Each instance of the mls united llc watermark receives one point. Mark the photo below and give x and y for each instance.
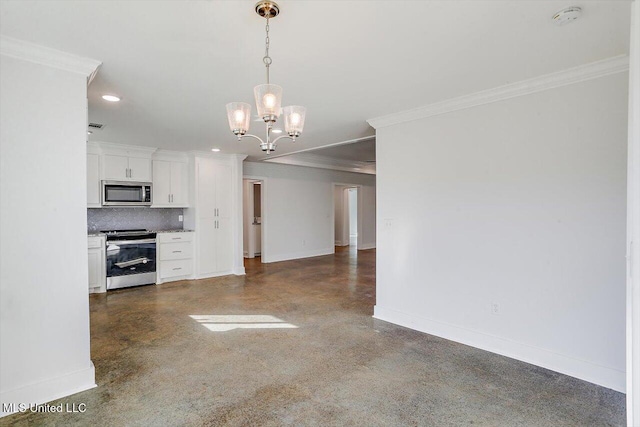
(9, 408)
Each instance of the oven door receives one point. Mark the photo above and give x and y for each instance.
(118, 193)
(131, 263)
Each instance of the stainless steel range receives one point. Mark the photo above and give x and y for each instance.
(131, 258)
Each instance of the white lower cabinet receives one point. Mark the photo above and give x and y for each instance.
(175, 256)
(97, 266)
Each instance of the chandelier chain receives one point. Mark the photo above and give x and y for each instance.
(267, 59)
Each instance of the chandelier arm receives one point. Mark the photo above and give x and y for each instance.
(283, 136)
(252, 136)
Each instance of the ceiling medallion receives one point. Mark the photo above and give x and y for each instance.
(268, 99)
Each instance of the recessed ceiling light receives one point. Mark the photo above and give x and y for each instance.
(110, 98)
(89, 132)
(215, 150)
(277, 131)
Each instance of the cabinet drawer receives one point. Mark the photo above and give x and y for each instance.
(177, 250)
(95, 242)
(174, 237)
(181, 267)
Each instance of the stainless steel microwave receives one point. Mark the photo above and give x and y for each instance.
(126, 193)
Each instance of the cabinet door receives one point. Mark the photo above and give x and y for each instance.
(115, 167)
(206, 196)
(95, 268)
(179, 184)
(224, 245)
(206, 250)
(93, 181)
(139, 169)
(223, 189)
(161, 191)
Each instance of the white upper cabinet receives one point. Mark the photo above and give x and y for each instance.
(179, 187)
(93, 180)
(139, 169)
(170, 184)
(126, 168)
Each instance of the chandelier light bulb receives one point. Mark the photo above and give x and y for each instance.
(269, 100)
(295, 119)
(239, 114)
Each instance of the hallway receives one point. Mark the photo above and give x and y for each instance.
(294, 343)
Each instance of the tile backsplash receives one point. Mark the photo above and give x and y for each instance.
(130, 218)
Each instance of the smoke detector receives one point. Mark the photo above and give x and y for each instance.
(567, 15)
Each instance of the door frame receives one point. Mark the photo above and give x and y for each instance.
(333, 210)
(264, 212)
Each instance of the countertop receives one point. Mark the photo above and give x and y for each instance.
(98, 234)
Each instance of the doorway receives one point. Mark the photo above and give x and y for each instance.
(252, 217)
(352, 209)
(346, 216)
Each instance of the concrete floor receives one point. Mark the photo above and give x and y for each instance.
(157, 366)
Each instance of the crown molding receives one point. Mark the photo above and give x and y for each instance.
(216, 155)
(594, 70)
(125, 149)
(38, 54)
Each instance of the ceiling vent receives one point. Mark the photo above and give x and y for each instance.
(567, 15)
(96, 125)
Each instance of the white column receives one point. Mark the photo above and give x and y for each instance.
(633, 226)
(238, 256)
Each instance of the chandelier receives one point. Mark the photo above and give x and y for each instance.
(268, 99)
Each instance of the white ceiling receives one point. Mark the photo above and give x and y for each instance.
(177, 63)
(354, 156)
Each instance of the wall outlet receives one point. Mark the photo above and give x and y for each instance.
(180, 218)
(495, 308)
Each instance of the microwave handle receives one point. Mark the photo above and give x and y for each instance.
(144, 193)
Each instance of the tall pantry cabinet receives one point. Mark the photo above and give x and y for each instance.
(212, 213)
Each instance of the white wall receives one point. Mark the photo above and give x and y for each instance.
(297, 214)
(44, 315)
(517, 205)
(633, 225)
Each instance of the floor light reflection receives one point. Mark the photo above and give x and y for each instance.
(229, 322)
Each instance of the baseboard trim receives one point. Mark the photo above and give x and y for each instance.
(239, 271)
(51, 389)
(568, 365)
(210, 275)
(366, 246)
(299, 255)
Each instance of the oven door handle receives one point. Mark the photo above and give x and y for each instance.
(129, 242)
